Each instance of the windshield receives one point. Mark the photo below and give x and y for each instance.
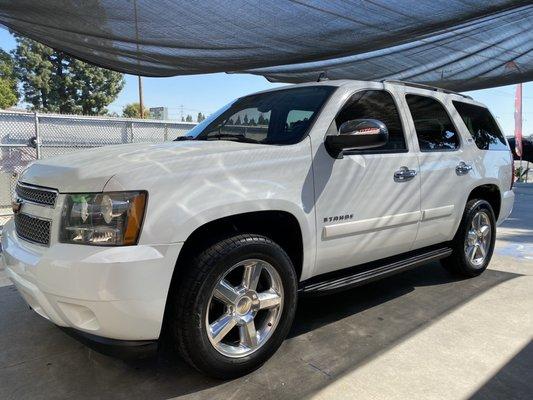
(279, 117)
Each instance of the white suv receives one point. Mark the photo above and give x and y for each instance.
(207, 241)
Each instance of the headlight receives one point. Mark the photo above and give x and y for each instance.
(105, 219)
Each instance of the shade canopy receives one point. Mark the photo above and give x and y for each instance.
(457, 44)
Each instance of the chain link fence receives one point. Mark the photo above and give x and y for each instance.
(25, 137)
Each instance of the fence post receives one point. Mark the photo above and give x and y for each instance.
(165, 136)
(131, 132)
(37, 137)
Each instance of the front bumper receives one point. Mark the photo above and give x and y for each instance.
(112, 292)
(123, 349)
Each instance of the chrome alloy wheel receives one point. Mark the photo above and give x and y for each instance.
(478, 239)
(245, 308)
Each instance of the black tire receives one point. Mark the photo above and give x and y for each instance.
(188, 304)
(457, 263)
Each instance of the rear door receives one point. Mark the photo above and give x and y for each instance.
(445, 166)
(363, 213)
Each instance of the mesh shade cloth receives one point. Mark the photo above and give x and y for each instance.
(458, 44)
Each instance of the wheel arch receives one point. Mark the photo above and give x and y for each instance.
(280, 226)
(490, 193)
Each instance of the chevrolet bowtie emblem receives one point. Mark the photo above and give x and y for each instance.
(16, 206)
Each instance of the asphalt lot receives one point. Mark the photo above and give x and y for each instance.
(421, 334)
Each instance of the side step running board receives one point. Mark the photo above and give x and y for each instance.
(372, 272)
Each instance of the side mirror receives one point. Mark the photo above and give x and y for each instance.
(357, 134)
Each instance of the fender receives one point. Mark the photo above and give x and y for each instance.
(305, 221)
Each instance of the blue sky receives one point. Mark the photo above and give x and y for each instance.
(207, 93)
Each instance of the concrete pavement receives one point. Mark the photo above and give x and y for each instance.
(421, 334)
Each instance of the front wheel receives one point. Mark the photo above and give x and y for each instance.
(234, 306)
(473, 244)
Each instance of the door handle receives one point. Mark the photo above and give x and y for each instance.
(463, 168)
(404, 174)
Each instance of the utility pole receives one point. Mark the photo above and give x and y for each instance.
(141, 105)
(518, 125)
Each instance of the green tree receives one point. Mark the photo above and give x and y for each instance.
(56, 82)
(200, 117)
(188, 119)
(8, 81)
(133, 110)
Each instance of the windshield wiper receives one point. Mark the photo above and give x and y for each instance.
(238, 137)
(182, 138)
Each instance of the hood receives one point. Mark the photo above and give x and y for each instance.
(89, 170)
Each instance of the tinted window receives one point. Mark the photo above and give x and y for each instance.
(482, 126)
(279, 117)
(434, 129)
(376, 104)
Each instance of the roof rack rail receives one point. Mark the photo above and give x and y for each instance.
(428, 87)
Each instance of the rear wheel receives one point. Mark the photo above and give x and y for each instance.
(234, 306)
(473, 244)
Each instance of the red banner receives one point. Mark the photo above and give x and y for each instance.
(518, 120)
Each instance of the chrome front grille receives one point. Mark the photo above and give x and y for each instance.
(35, 194)
(33, 229)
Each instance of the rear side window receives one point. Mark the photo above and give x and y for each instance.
(434, 128)
(482, 126)
(376, 104)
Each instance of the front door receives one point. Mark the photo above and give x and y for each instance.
(367, 207)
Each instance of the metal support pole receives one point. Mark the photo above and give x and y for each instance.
(37, 137)
(141, 105)
(141, 108)
(520, 168)
(131, 132)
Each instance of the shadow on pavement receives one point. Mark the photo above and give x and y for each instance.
(513, 381)
(515, 236)
(331, 335)
(522, 215)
